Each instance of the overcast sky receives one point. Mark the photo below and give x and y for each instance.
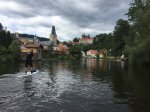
(71, 18)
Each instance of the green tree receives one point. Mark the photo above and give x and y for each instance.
(137, 6)
(2, 38)
(121, 32)
(5, 39)
(1, 26)
(139, 16)
(14, 49)
(64, 42)
(8, 39)
(58, 41)
(76, 40)
(75, 50)
(3, 50)
(102, 41)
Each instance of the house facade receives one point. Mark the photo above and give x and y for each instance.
(36, 48)
(86, 41)
(45, 44)
(73, 43)
(92, 53)
(102, 53)
(61, 49)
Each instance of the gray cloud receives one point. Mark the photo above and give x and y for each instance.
(100, 15)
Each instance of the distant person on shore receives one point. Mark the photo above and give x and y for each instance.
(28, 61)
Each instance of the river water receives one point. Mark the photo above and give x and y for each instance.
(85, 85)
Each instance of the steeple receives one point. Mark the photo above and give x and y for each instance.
(53, 30)
(53, 36)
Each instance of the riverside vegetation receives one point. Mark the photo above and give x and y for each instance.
(9, 47)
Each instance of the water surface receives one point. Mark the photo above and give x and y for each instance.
(75, 86)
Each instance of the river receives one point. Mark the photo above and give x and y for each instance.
(85, 85)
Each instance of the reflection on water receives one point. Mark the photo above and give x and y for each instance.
(87, 85)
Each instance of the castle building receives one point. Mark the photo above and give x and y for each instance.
(53, 36)
(86, 40)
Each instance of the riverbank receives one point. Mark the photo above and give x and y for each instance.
(112, 58)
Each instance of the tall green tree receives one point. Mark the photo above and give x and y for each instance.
(102, 41)
(2, 38)
(1, 26)
(139, 16)
(76, 40)
(14, 49)
(121, 32)
(75, 50)
(5, 39)
(135, 7)
(8, 39)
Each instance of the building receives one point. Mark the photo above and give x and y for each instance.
(45, 44)
(53, 36)
(73, 43)
(86, 40)
(102, 53)
(37, 50)
(92, 53)
(61, 49)
(24, 41)
(35, 40)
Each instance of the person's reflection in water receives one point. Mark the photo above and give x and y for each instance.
(109, 66)
(28, 88)
(124, 65)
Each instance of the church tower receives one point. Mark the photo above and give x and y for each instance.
(53, 36)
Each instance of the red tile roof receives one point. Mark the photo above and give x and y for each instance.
(61, 46)
(33, 45)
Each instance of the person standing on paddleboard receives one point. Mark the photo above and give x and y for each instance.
(28, 61)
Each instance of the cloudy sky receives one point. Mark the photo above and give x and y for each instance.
(71, 18)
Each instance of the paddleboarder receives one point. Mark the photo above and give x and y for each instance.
(28, 61)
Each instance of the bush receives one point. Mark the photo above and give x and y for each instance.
(140, 53)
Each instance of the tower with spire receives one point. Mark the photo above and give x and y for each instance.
(53, 36)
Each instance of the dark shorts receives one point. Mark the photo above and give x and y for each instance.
(28, 63)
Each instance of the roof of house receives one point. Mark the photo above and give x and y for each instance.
(45, 43)
(33, 46)
(22, 47)
(61, 46)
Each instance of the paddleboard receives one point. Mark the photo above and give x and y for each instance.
(29, 73)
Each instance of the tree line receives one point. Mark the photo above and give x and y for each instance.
(9, 47)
